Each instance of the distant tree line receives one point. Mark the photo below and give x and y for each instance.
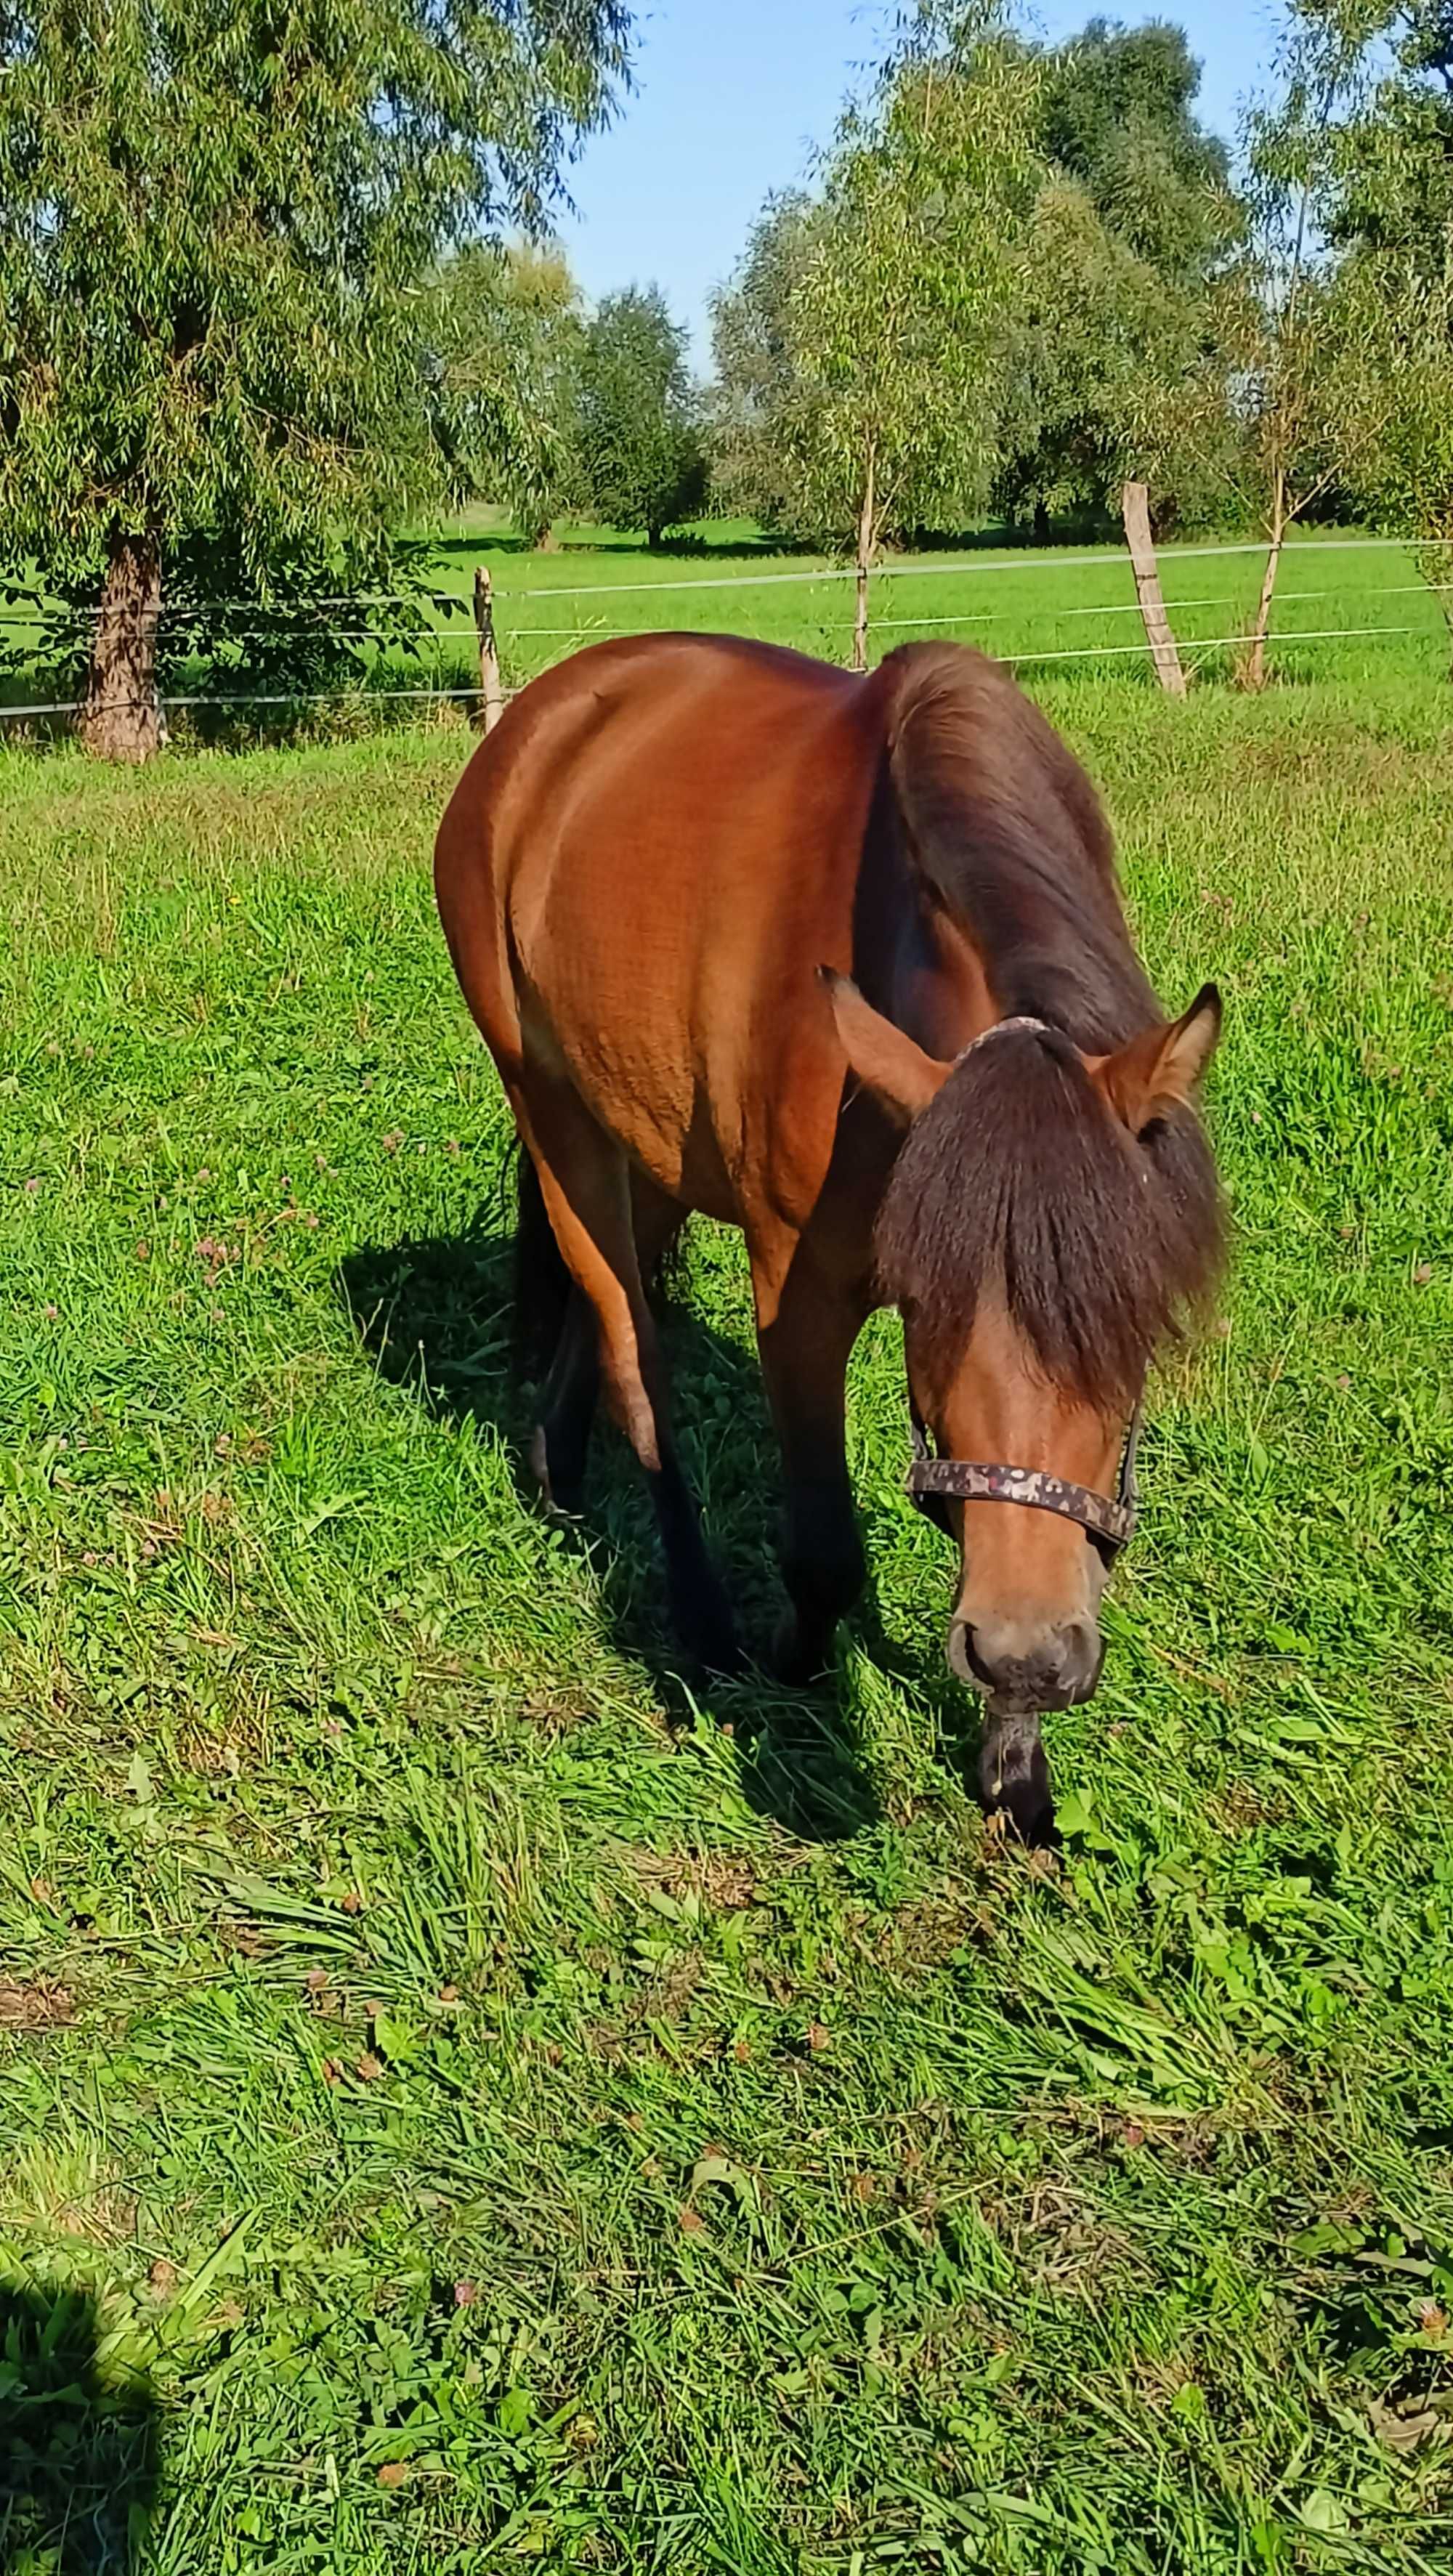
(275, 283)
(1025, 277)
(1028, 277)
(554, 411)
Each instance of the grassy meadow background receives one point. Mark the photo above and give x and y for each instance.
(1357, 600)
(470, 2098)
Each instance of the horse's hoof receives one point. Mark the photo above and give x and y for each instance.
(556, 1493)
(709, 1633)
(798, 1660)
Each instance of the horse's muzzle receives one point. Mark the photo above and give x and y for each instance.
(1052, 1667)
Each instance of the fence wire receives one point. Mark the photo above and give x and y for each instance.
(266, 622)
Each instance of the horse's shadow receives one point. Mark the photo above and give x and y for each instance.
(435, 1315)
(78, 2446)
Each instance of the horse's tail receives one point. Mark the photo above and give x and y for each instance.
(542, 1282)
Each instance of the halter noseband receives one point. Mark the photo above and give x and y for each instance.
(966, 1480)
(932, 1479)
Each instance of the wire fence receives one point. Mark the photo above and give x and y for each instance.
(395, 630)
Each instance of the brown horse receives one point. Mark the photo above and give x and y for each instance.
(657, 878)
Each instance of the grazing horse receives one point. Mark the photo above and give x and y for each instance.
(842, 961)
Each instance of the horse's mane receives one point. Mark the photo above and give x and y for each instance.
(1019, 1179)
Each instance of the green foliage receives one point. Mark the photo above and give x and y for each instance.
(1404, 476)
(1363, 132)
(639, 457)
(415, 2155)
(1116, 368)
(1116, 371)
(1311, 398)
(1363, 120)
(761, 409)
(503, 328)
(213, 222)
(861, 348)
(1118, 114)
(899, 308)
(1002, 288)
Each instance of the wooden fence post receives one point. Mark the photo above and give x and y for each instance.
(1136, 514)
(490, 688)
(860, 622)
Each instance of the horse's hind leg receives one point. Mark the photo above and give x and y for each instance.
(555, 1343)
(807, 1323)
(572, 1386)
(588, 1193)
(561, 1443)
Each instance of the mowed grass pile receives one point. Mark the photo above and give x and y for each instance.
(471, 2097)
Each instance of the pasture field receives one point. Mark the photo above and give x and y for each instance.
(1358, 602)
(1065, 605)
(469, 2098)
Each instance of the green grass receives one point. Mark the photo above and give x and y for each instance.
(468, 2103)
(1038, 606)
(1043, 607)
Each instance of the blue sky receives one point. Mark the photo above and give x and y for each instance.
(732, 95)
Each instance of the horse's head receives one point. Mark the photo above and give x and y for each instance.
(1050, 1215)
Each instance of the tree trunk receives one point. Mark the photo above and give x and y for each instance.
(122, 717)
(1135, 511)
(1253, 669)
(1443, 593)
(866, 519)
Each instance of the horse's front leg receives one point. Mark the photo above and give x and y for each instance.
(807, 1323)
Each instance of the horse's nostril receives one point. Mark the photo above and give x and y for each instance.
(1050, 1668)
(960, 1660)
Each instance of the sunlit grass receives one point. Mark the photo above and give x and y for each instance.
(508, 2109)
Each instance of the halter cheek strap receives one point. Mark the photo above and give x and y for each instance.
(967, 1480)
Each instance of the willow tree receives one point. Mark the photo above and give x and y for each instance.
(1347, 355)
(1114, 373)
(759, 407)
(215, 217)
(637, 426)
(1403, 478)
(504, 326)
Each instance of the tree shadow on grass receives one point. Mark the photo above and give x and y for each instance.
(78, 2445)
(691, 545)
(435, 1315)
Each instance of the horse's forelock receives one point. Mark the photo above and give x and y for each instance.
(1019, 1182)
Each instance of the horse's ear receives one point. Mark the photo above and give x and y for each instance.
(886, 1061)
(1159, 1069)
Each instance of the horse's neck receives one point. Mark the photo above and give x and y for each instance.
(942, 991)
(1007, 853)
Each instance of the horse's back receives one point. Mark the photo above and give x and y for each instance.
(639, 871)
(666, 835)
